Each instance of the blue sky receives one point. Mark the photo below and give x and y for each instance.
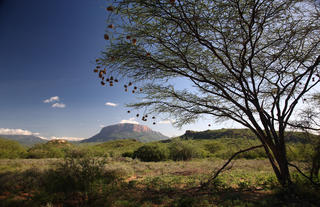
(47, 49)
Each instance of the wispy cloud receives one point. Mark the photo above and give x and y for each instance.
(168, 121)
(111, 104)
(58, 105)
(5, 131)
(52, 99)
(129, 121)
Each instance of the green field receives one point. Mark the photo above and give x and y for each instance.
(136, 183)
(112, 174)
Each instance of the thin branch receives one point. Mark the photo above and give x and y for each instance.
(230, 159)
(304, 175)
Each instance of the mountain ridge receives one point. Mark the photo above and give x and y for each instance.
(26, 140)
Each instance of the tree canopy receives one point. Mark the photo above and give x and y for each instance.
(251, 61)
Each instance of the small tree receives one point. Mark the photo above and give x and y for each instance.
(309, 122)
(251, 61)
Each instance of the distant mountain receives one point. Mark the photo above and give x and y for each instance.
(293, 137)
(126, 131)
(26, 140)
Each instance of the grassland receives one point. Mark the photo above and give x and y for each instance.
(136, 183)
(112, 174)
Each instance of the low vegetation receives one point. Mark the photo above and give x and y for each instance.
(89, 181)
(129, 173)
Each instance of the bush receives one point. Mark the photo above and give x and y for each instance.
(213, 147)
(11, 149)
(183, 150)
(151, 153)
(50, 150)
(84, 177)
(127, 154)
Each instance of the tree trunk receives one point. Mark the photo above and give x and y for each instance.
(283, 174)
(279, 162)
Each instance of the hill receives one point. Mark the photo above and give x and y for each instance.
(26, 140)
(293, 137)
(126, 131)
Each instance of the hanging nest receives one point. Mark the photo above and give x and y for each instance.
(110, 8)
(102, 83)
(111, 26)
(134, 41)
(148, 54)
(128, 37)
(95, 70)
(106, 37)
(137, 115)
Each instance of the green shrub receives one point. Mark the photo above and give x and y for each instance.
(127, 154)
(151, 153)
(213, 147)
(50, 150)
(11, 149)
(183, 150)
(84, 178)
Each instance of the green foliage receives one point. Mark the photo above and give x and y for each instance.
(151, 153)
(115, 148)
(183, 150)
(50, 150)
(11, 149)
(85, 176)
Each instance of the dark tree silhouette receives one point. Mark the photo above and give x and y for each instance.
(251, 61)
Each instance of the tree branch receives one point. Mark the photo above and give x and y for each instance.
(304, 175)
(230, 159)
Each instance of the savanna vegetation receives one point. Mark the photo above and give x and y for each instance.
(174, 172)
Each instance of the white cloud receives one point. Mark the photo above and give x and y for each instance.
(130, 121)
(58, 105)
(168, 121)
(68, 138)
(111, 104)
(52, 99)
(5, 131)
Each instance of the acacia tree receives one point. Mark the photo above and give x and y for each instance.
(251, 61)
(309, 122)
